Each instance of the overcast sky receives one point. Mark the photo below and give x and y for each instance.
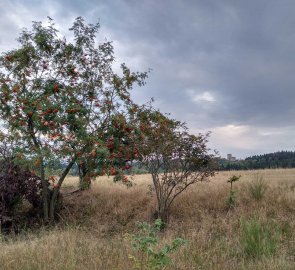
(227, 66)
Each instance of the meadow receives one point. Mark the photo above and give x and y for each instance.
(94, 227)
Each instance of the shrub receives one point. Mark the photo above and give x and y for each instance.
(257, 187)
(17, 184)
(257, 240)
(146, 243)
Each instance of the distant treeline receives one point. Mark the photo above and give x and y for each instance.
(282, 159)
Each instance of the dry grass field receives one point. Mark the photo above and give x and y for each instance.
(93, 228)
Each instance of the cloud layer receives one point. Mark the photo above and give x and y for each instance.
(225, 66)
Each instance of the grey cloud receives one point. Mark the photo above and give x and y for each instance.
(242, 52)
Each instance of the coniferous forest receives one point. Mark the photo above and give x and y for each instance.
(282, 159)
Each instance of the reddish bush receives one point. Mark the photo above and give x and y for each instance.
(17, 184)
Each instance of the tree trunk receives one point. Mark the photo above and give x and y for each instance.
(84, 180)
(45, 193)
(56, 191)
(163, 213)
(55, 203)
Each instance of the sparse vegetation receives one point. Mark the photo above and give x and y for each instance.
(257, 187)
(93, 224)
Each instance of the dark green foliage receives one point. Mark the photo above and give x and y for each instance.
(283, 159)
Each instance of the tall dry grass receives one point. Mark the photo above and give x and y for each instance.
(92, 230)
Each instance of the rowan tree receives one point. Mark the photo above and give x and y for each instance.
(175, 158)
(62, 99)
(117, 156)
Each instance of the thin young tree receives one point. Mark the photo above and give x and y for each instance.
(175, 158)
